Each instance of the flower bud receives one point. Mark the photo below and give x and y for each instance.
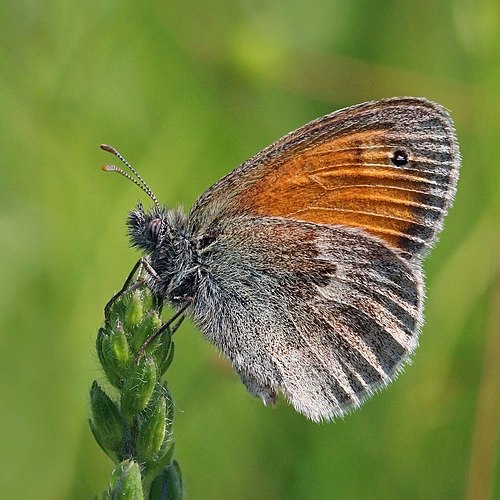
(152, 432)
(117, 355)
(149, 325)
(106, 423)
(138, 388)
(126, 482)
(134, 309)
(168, 485)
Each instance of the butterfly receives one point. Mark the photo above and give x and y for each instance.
(303, 266)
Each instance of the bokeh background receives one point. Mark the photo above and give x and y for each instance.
(187, 91)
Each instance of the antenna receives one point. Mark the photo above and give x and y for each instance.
(139, 181)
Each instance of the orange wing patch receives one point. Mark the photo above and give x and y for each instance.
(348, 180)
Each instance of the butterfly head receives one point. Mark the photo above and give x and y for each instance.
(147, 229)
(162, 235)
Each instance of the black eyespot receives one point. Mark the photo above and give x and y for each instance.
(399, 158)
(154, 228)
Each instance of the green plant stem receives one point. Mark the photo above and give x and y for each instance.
(133, 426)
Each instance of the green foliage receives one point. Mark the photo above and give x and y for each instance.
(135, 431)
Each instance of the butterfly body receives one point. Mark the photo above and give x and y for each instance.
(304, 264)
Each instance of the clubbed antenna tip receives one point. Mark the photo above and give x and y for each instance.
(111, 168)
(138, 180)
(109, 149)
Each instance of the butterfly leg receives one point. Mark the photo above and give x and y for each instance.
(171, 326)
(127, 287)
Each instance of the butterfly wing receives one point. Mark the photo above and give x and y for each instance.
(388, 167)
(310, 278)
(323, 314)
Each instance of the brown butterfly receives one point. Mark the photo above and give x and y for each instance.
(304, 264)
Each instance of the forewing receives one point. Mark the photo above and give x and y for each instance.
(389, 167)
(326, 315)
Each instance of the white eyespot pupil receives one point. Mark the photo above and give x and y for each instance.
(399, 158)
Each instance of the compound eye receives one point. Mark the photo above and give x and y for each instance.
(154, 229)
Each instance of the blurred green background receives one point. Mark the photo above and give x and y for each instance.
(188, 90)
